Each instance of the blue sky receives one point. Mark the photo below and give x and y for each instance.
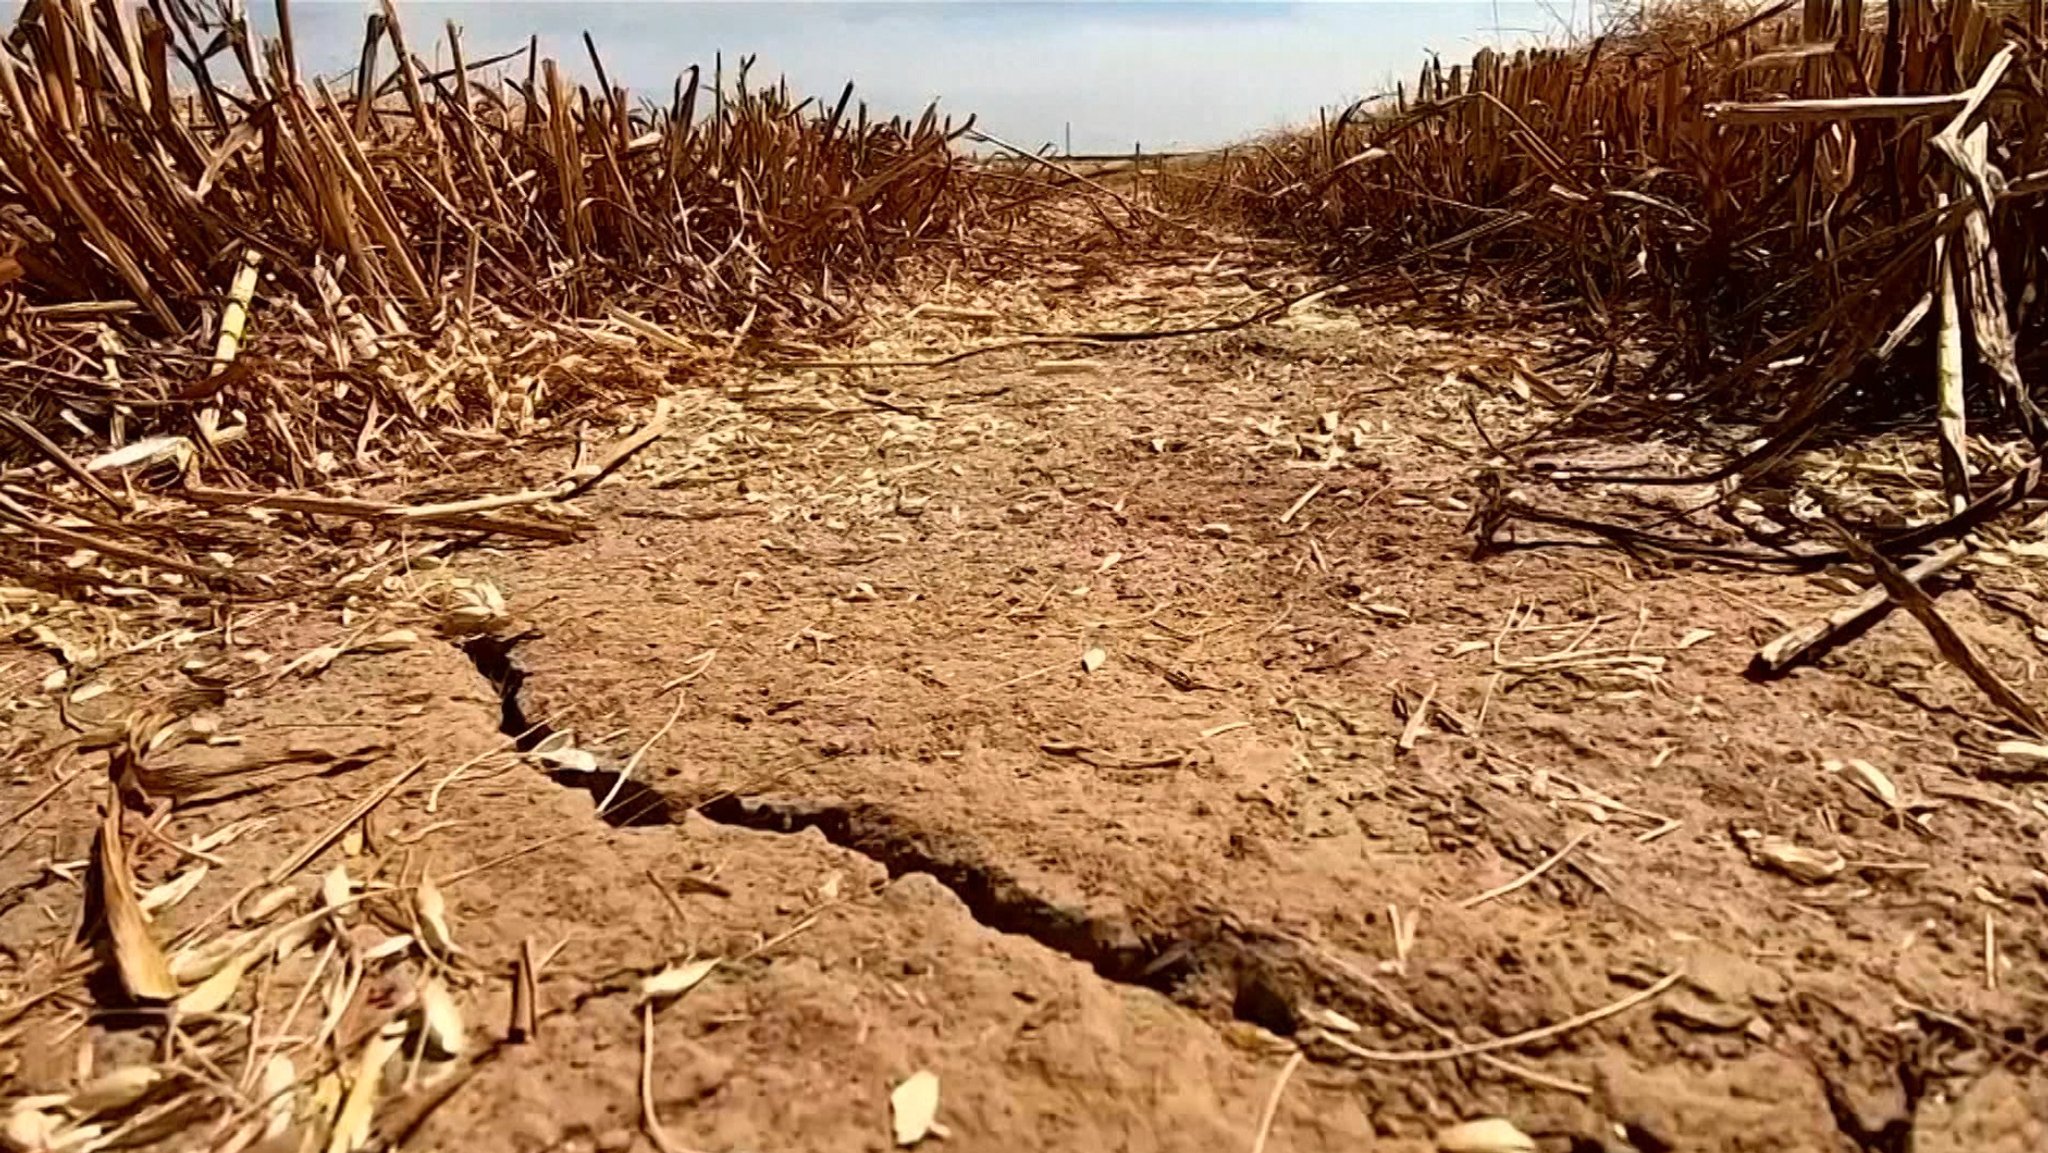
(1168, 73)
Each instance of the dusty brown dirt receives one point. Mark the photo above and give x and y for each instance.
(1020, 723)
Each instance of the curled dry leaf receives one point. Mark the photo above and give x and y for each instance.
(390, 642)
(440, 1019)
(468, 606)
(1870, 779)
(196, 963)
(144, 973)
(568, 757)
(269, 902)
(117, 1089)
(174, 890)
(336, 889)
(914, 1106)
(389, 947)
(2023, 750)
(676, 980)
(1488, 1135)
(1807, 866)
(216, 991)
(433, 914)
(279, 1076)
(31, 1129)
(227, 834)
(315, 661)
(359, 1108)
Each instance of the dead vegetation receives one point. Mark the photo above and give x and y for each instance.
(1773, 232)
(228, 282)
(259, 328)
(1774, 213)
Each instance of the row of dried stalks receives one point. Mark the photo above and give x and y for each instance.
(1789, 213)
(209, 261)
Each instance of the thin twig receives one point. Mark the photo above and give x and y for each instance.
(1549, 863)
(1272, 1108)
(1516, 1041)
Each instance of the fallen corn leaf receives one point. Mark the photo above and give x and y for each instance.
(198, 962)
(391, 642)
(676, 980)
(389, 947)
(359, 1108)
(117, 1089)
(144, 973)
(336, 888)
(216, 991)
(1870, 779)
(1807, 866)
(433, 911)
(30, 1129)
(440, 1019)
(1489, 1135)
(278, 1078)
(2024, 750)
(174, 890)
(914, 1105)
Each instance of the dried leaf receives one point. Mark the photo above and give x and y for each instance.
(359, 1108)
(1693, 637)
(174, 890)
(227, 834)
(394, 641)
(1807, 866)
(392, 946)
(114, 1090)
(440, 1019)
(144, 973)
(198, 962)
(216, 991)
(2023, 750)
(269, 902)
(1490, 1135)
(1093, 659)
(31, 1129)
(914, 1105)
(568, 757)
(278, 1078)
(1867, 777)
(676, 980)
(313, 662)
(336, 889)
(433, 914)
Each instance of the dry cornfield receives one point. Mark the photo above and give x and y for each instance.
(1794, 213)
(159, 168)
(1051, 706)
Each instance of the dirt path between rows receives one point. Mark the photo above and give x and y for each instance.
(1099, 735)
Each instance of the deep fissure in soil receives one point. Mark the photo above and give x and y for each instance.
(1206, 963)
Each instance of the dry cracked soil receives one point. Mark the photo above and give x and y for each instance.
(1100, 735)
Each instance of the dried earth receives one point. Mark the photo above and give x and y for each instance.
(1098, 735)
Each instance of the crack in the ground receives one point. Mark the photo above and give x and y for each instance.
(1205, 961)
